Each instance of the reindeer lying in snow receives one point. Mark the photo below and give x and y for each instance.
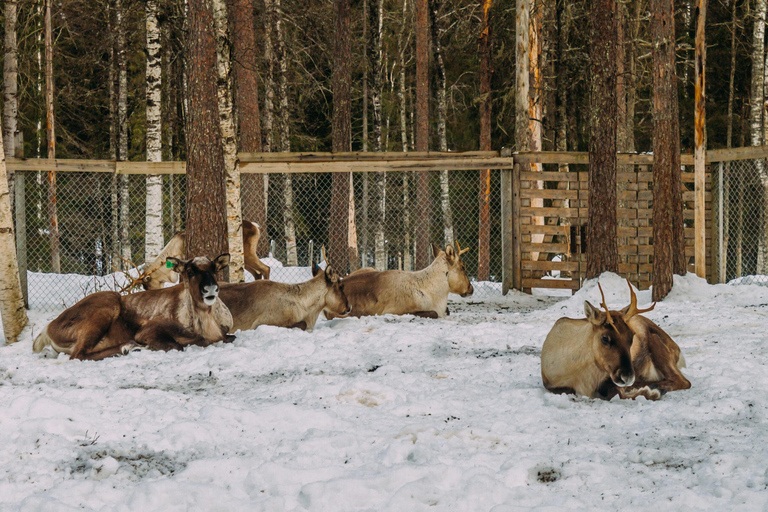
(105, 324)
(285, 305)
(156, 274)
(422, 293)
(612, 352)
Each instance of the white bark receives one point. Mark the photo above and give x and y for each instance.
(11, 299)
(401, 45)
(229, 140)
(292, 258)
(122, 126)
(445, 190)
(380, 250)
(153, 242)
(10, 74)
(757, 122)
(269, 79)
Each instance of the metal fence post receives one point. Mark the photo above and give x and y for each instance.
(20, 220)
(720, 225)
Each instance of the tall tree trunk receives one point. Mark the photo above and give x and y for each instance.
(114, 256)
(206, 233)
(269, 80)
(122, 126)
(668, 243)
(561, 71)
(10, 88)
(229, 141)
(169, 114)
(12, 312)
(53, 215)
(376, 17)
(630, 79)
(422, 227)
(154, 241)
(401, 45)
(364, 220)
(442, 109)
(342, 254)
(729, 143)
(247, 108)
(602, 251)
(289, 224)
(484, 235)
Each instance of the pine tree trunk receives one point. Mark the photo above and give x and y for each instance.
(53, 215)
(341, 253)
(229, 141)
(154, 242)
(285, 141)
(630, 80)
(206, 232)
(668, 242)
(122, 125)
(376, 19)
(422, 227)
(602, 250)
(484, 235)
(442, 109)
(12, 311)
(247, 108)
(729, 178)
(401, 45)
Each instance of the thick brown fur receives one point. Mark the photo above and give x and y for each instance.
(105, 324)
(157, 274)
(398, 292)
(286, 305)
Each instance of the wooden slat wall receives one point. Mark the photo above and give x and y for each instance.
(635, 231)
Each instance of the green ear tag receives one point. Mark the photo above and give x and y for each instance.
(168, 264)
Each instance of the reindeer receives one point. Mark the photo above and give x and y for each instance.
(610, 353)
(422, 293)
(105, 324)
(156, 274)
(286, 305)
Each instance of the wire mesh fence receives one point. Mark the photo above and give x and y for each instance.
(740, 191)
(101, 226)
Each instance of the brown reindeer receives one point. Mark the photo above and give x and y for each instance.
(105, 324)
(156, 274)
(286, 305)
(422, 293)
(611, 352)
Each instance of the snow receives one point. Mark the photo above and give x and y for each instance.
(394, 414)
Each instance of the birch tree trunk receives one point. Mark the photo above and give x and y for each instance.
(401, 45)
(364, 220)
(10, 88)
(229, 141)
(53, 215)
(442, 109)
(729, 143)
(247, 107)
(122, 125)
(289, 225)
(757, 98)
(14, 315)
(206, 233)
(422, 224)
(154, 242)
(114, 255)
(268, 136)
(377, 68)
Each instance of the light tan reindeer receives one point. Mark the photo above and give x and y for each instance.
(105, 324)
(611, 352)
(398, 292)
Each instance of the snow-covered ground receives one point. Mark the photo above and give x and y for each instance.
(394, 413)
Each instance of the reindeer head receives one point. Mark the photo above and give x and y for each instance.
(458, 282)
(335, 299)
(199, 277)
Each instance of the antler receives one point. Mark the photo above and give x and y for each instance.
(605, 307)
(135, 282)
(632, 310)
(459, 250)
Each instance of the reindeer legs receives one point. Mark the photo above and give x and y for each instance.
(164, 335)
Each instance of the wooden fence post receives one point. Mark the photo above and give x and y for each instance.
(507, 236)
(700, 142)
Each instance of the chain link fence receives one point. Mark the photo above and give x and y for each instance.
(740, 200)
(101, 224)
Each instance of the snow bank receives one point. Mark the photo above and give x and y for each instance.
(393, 414)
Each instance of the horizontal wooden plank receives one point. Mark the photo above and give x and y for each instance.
(549, 212)
(547, 248)
(529, 229)
(730, 154)
(567, 266)
(560, 284)
(356, 156)
(431, 164)
(582, 157)
(533, 193)
(552, 176)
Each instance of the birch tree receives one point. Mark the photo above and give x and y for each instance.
(10, 85)
(14, 315)
(401, 46)
(442, 109)
(53, 216)
(122, 127)
(377, 68)
(229, 141)
(421, 231)
(364, 220)
(154, 241)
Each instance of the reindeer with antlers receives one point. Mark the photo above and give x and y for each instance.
(398, 292)
(610, 353)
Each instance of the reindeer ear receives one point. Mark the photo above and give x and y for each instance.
(450, 252)
(435, 249)
(594, 315)
(315, 269)
(174, 264)
(221, 262)
(330, 275)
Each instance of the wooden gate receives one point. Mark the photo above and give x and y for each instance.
(549, 217)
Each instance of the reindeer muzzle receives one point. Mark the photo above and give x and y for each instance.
(210, 293)
(623, 379)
